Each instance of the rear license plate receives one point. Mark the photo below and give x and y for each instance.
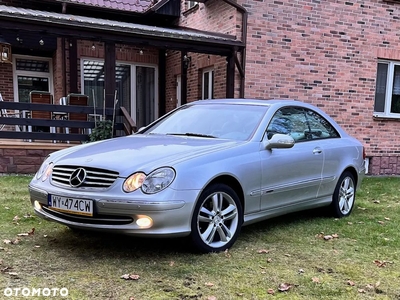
(76, 206)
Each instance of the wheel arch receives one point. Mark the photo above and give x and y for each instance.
(353, 171)
(233, 183)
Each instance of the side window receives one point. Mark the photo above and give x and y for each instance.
(290, 121)
(318, 127)
(301, 124)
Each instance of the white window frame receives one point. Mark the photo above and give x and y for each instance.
(191, 4)
(389, 90)
(133, 66)
(210, 72)
(16, 73)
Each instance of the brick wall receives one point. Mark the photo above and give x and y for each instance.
(325, 53)
(21, 161)
(213, 16)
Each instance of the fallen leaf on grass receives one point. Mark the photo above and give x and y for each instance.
(211, 298)
(361, 291)
(27, 233)
(284, 287)
(11, 242)
(377, 201)
(351, 283)
(16, 219)
(209, 284)
(315, 280)
(262, 251)
(381, 263)
(381, 222)
(130, 277)
(227, 254)
(171, 263)
(271, 291)
(387, 219)
(4, 270)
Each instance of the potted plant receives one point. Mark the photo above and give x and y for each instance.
(102, 131)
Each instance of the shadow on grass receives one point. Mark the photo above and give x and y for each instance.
(101, 245)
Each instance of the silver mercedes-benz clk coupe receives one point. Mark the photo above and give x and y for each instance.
(204, 170)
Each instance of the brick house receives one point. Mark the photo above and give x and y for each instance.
(338, 55)
(342, 56)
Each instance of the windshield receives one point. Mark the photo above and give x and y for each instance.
(226, 121)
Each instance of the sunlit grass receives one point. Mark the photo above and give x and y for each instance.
(361, 261)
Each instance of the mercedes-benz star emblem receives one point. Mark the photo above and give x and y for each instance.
(77, 177)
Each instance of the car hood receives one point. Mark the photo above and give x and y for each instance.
(140, 152)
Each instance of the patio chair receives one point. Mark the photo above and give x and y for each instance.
(80, 100)
(8, 114)
(42, 98)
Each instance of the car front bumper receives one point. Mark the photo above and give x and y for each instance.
(120, 214)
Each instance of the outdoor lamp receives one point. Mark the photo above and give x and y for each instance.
(5, 48)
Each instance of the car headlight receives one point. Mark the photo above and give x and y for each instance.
(45, 170)
(133, 182)
(153, 183)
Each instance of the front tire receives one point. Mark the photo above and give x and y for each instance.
(344, 196)
(217, 219)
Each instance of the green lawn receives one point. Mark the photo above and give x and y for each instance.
(359, 259)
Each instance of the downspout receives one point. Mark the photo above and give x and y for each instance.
(241, 66)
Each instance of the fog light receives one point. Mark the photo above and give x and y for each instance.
(37, 205)
(144, 222)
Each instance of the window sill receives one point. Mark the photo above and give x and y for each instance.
(379, 116)
(190, 10)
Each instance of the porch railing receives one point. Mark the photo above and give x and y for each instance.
(124, 125)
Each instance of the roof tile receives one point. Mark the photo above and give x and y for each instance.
(126, 5)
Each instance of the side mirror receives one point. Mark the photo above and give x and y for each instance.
(279, 141)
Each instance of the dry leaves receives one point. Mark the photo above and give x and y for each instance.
(381, 263)
(262, 251)
(130, 277)
(315, 280)
(209, 284)
(327, 237)
(284, 287)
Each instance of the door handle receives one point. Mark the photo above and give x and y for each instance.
(317, 150)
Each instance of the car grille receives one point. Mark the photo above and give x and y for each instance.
(95, 178)
(95, 220)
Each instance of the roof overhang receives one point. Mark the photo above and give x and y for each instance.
(80, 27)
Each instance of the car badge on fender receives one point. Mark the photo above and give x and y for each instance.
(77, 177)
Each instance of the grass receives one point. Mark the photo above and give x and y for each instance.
(360, 261)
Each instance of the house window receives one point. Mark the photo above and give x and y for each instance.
(208, 84)
(136, 88)
(31, 74)
(387, 91)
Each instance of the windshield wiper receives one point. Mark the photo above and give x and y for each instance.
(193, 134)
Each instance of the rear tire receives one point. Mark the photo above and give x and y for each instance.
(217, 219)
(344, 196)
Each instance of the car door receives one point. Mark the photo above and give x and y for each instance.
(290, 176)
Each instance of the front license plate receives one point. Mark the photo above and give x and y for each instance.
(82, 207)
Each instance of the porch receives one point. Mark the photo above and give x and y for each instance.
(23, 151)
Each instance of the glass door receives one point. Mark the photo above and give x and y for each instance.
(144, 102)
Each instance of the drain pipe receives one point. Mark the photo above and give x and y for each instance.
(241, 65)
